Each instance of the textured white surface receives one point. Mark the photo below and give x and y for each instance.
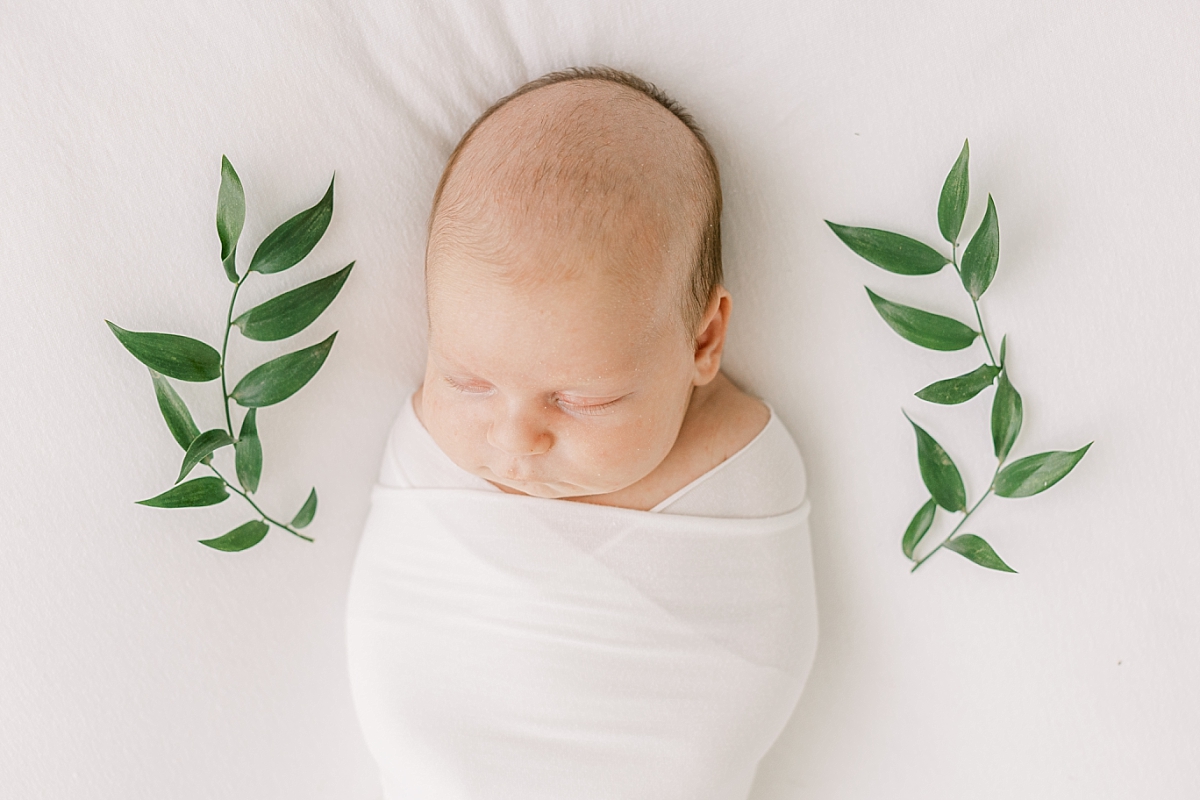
(135, 663)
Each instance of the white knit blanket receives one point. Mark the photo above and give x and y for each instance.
(504, 646)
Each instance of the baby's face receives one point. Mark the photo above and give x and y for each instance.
(577, 386)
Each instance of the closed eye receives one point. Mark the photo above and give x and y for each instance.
(586, 408)
(459, 387)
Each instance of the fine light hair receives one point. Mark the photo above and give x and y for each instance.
(706, 272)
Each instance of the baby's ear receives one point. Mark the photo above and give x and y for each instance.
(710, 340)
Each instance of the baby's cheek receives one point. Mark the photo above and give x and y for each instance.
(457, 428)
(619, 450)
(471, 432)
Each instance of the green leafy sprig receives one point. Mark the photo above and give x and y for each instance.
(1021, 478)
(187, 359)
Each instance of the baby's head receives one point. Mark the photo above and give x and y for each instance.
(573, 279)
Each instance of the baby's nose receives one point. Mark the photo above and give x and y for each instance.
(519, 433)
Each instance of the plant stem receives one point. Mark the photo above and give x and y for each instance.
(983, 332)
(992, 485)
(224, 348)
(229, 419)
(262, 513)
(962, 521)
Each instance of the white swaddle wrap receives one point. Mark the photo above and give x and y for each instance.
(503, 646)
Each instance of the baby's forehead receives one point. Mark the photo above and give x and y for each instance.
(536, 343)
(551, 277)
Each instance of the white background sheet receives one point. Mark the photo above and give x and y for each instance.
(135, 663)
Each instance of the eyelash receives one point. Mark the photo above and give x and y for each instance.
(588, 410)
(460, 388)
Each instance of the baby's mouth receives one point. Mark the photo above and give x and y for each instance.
(517, 471)
(530, 485)
(512, 477)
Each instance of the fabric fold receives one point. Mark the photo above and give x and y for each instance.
(504, 646)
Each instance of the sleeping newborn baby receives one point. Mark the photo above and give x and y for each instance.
(586, 570)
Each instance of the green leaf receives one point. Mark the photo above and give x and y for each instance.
(893, 252)
(174, 411)
(196, 492)
(294, 239)
(307, 511)
(280, 378)
(1007, 415)
(972, 547)
(231, 216)
(292, 312)
(201, 448)
(1033, 474)
(918, 528)
(952, 205)
(230, 265)
(961, 389)
(921, 327)
(248, 453)
(938, 472)
(169, 354)
(243, 537)
(979, 260)
(1003, 349)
